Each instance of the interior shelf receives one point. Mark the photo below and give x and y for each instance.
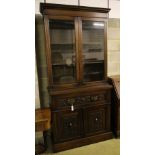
(58, 64)
(92, 73)
(93, 61)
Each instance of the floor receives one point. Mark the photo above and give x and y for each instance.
(109, 147)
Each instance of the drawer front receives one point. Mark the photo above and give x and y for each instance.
(67, 125)
(97, 119)
(100, 97)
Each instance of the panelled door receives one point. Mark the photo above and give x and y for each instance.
(96, 119)
(68, 125)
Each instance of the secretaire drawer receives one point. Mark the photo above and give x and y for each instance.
(103, 97)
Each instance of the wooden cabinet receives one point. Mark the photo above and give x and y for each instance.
(76, 52)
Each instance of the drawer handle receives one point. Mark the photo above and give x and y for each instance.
(72, 107)
(96, 119)
(70, 124)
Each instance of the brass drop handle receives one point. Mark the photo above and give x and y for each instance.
(72, 107)
(71, 102)
(70, 124)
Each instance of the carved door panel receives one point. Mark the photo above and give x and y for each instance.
(96, 119)
(67, 125)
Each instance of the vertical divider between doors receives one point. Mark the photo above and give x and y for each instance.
(77, 48)
(80, 48)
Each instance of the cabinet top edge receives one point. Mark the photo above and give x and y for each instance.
(81, 89)
(44, 6)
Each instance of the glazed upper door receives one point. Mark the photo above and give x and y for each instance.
(62, 33)
(93, 49)
(76, 49)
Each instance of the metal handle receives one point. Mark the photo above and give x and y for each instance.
(72, 107)
(70, 124)
(96, 119)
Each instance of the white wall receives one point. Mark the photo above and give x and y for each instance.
(69, 2)
(37, 4)
(94, 3)
(115, 9)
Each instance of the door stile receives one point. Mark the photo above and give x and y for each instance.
(77, 48)
(48, 49)
(80, 50)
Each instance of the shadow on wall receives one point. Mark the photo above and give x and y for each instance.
(41, 61)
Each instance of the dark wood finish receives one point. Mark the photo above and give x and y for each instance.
(81, 110)
(44, 6)
(74, 14)
(48, 49)
(87, 98)
(97, 119)
(77, 48)
(96, 86)
(68, 125)
(78, 36)
(80, 49)
(82, 141)
(115, 81)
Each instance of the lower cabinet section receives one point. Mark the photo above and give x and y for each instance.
(81, 141)
(80, 118)
(80, 125)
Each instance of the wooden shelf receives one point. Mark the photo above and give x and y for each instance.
(92, 73)
(93, 61)
(57, 64)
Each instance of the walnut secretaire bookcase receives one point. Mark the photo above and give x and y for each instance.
(76, 51)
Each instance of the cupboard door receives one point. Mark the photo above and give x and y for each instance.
(63, 50)
(67, 125)
(93, 49)
(97, 119)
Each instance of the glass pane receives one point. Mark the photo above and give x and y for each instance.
(62, 33)
(93, 50)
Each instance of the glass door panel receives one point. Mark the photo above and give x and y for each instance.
(93, 50)
(62, 37)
